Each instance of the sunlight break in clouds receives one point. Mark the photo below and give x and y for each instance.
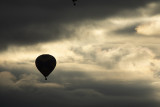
(149, 29)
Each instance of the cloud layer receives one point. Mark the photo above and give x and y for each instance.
(31, 22)
(75, 92)
(107, 53)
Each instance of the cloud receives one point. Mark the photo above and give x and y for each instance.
(127, 30)
(149, 29)
(115, 57)
(27, 23)
(95, 65)
(21, 82)
(7, 79)
(102, 79)
(71, 89)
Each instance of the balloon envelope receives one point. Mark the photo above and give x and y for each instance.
(45, 63)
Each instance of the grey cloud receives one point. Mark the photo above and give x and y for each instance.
(30, 22)
(155, 9)
(107, 57)
(127, 30)
(117, 57)
(82, 91)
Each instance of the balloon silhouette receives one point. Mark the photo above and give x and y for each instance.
(45, 63)
(74, 2)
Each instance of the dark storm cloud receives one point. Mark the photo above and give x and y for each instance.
(28, 22)
(80, 90)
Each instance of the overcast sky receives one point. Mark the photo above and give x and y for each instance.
(107, 52)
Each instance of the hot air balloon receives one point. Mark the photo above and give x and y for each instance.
(45, 63)
(74, 2)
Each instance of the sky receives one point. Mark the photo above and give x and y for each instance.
(107, 52)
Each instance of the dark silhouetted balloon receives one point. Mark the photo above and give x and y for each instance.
(74, 2)
(45, 64)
